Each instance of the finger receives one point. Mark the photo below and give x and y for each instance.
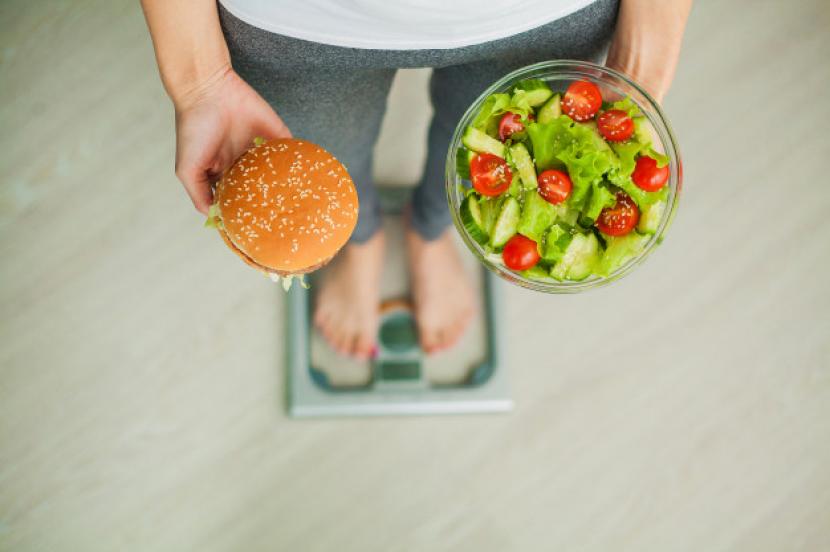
(272, 129)
(197, 185)
(271, 125)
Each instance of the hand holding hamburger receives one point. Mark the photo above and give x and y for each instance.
(286, 207)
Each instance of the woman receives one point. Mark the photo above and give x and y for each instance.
(321, 70)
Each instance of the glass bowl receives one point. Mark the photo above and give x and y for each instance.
(558, 74)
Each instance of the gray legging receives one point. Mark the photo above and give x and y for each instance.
(336, 96)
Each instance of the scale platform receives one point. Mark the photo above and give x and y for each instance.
(402, 379)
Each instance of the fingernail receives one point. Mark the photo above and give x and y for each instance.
(374, 353)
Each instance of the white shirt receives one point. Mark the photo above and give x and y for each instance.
(400, 24)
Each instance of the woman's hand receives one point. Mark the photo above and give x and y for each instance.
(217, 114)
(215, 123)
(646, 44)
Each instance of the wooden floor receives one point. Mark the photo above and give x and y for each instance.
(141, 386)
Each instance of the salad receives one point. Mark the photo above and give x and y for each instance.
(561, 186)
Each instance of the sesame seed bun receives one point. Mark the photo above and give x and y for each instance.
(286, 207)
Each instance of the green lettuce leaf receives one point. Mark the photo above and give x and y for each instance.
(537, 215)
(496, 105)
(519, 100)
(590, 161)
(214, 218)
(575, 147)
(662, 160)
(627, 104)
(547, 140)
(286, 281)
(493, 107)
(600, 198)
(627, 153)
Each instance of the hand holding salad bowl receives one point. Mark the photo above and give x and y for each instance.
(563, 176)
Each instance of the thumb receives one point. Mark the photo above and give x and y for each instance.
(197, 184)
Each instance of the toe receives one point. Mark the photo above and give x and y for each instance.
(334, 337)
(430, 340)
(329, 336)
(445, 339)
(351, 346)
(344, 344)
(450, 337)
(363, 345)
(463, 321)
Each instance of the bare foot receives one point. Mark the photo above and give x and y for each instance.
(346, 312)
(441, 291)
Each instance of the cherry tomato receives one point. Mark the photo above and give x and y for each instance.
(615, 125)
(620, 219)
(648, 176)
(490, 174)
(520, 253)
(554, 186)
(582, 100)
(510, 124)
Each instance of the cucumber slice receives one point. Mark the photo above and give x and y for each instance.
(490, 208)
(471, 219)
(585, 260)
(531, 93)
(556, 242)
(523, 162)
(506, 223)
(537, 215)
(651, 216)
(644, 132)
(572, 252)
(536, 273)
(480, 142)
(462, 162)
(621, 250)
(515, 188)
(599, 141)
(566, 214)
(551, 110)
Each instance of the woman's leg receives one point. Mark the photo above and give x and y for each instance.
(336, 98)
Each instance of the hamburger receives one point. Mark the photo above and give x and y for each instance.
(285, 207)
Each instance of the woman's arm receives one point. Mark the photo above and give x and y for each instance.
(190, 48)
(217, 113)
(646, 44)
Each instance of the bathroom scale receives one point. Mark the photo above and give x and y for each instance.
(401, 379)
